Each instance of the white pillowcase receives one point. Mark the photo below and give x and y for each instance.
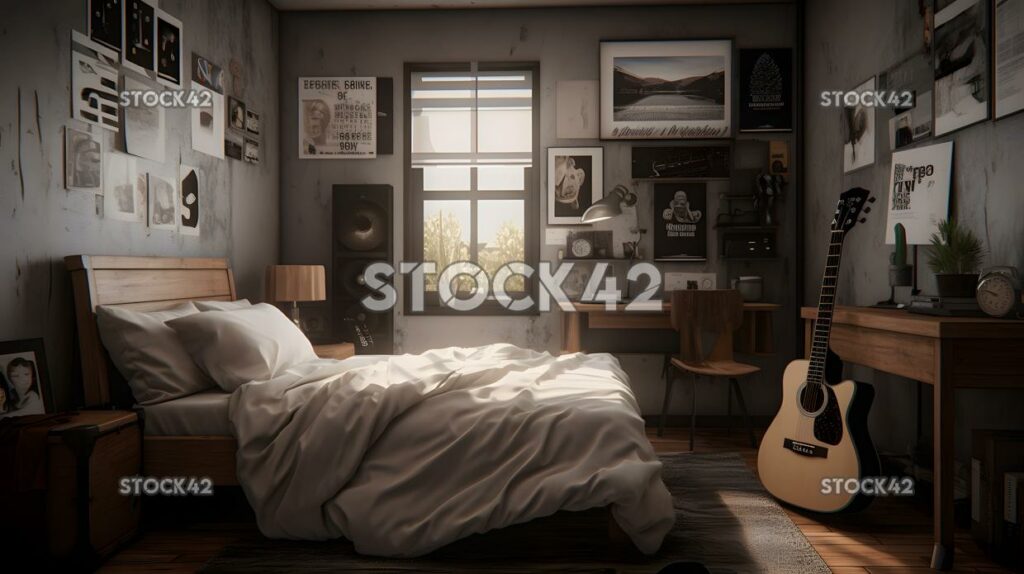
(222, 305)
(235, 347)
(148, 354)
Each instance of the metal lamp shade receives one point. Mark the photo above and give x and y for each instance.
(608, 207)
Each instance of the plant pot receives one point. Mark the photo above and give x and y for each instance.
(956, 284)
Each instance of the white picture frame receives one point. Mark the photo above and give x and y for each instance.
(168, 74)
(859, 131)
(575, 181)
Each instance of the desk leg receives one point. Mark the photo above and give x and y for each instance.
(572, 331)
(942, 553)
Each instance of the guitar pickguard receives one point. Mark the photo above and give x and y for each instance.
(828, 426)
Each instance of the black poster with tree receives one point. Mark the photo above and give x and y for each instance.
(766, 85)
(680, 221)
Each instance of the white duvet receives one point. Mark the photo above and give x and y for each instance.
(416, 451)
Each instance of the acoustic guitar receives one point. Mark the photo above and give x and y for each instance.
(819, 438)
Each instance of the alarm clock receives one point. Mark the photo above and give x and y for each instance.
(999, 292)
(588, 244)
(581, 247)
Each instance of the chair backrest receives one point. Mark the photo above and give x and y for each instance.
(696, 313)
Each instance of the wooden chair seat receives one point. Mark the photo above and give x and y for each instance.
(712, 368)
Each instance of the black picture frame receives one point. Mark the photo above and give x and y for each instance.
(681, 222)
(31, 350)
(766, 90)
(681, 162)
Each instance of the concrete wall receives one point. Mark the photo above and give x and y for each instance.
(847, 43)
(565, 42)
(42, 222)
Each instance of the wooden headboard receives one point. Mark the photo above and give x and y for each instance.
(141, 283)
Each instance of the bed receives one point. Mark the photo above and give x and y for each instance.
(191, 436)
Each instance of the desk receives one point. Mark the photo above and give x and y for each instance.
(755, 336)
(945, 352)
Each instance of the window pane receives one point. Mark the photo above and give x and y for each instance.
(446, 178)
(501, 237)
(505, 130)
(441, 130)
(446, 230)
(501, 177)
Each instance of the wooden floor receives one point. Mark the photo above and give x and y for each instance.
(892, 537)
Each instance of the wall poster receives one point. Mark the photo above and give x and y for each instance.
(766, 86)
(859, 132)
(919, 191)
(910, 124)
(1008, 22)
(961, 65)
(337, 118)
(680, 227)
(189, 208)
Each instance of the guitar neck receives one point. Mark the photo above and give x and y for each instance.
(826, 304)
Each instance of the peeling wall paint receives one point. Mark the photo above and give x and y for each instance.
(855, 41)
(42, 222)
(565, 42)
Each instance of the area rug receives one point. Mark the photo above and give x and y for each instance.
(724, 519)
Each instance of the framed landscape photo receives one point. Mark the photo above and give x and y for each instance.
(24, 380)
(575, 182)
(666, 89)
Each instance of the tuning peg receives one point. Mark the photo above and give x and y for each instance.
(871, 199)
(867, 210)
(862, 219)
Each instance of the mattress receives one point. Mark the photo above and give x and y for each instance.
(206, 413)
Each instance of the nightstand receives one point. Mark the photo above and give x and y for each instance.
(337, 351)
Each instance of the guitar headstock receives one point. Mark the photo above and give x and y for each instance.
(852, 203)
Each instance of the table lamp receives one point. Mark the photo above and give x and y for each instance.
(610, 205)
(295, 283)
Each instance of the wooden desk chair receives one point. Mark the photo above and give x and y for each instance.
(697, 313)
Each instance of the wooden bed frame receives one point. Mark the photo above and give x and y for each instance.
(155, 283)
(150, 284)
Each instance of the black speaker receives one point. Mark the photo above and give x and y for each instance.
(361, 234)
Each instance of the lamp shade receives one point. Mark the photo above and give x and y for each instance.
(296, 283)
(610, 205)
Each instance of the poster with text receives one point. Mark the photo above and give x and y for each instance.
(680, 221)
(919, 191)
(766, 84)
(337, 118)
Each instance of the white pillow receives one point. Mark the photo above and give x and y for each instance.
(235, 347)
(148, 354)
(222, 305)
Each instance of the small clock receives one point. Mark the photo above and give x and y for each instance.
(581, 247)
(999, 292)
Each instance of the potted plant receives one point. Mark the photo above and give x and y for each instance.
(955, 257)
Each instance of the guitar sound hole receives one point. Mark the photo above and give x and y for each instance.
(812, 397)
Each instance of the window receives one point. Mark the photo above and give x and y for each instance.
(471, 179)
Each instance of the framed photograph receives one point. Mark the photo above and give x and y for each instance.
(252, 122)
(207, 74)
(236, 114)
(680, 221)
(208, 125)
(1008, 83)
(919, 191)
(24, 379)
(138, 50)
(910, 124)
(168, 49)
(961, 92)
(252, 151)
(233, 148)
(666, 89)
(83, 161)
(766, 90)
(575, 182)
(338, 118)
(859, 132)
(105, 23)
(682, 162)
(125, 189)
(163, 202)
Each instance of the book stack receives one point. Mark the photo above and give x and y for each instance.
(945, 306)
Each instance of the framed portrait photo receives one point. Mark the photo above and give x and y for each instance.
(24, 380)
(666, 89)
(575, 182)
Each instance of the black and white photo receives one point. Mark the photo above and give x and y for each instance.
(94, 93)
(252, 151)
(144, 130)
(24, 379)
(233, 148)
(681, 162)
(252, 122)
(766, 85)
(913, 123)
(168, 49)
(125, 188)
(138, 50)
(575, 182)
(207, 74)
(666, 89)
(189, 206)
(163, 202)
(680, 221)
(83, 161)
(236, 114)
(1008, 83)
(105, 23)
(961, 65)
(859, 131)
(208, 125)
